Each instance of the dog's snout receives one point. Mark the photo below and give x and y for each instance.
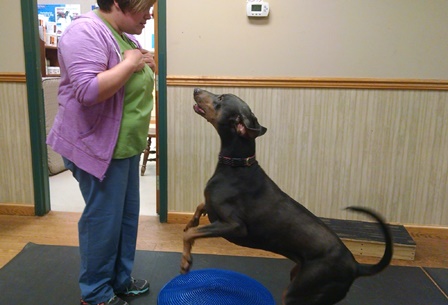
(197, 91)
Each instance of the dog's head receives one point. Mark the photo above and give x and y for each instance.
(227, 112)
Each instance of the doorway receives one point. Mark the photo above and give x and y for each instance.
(37, 113)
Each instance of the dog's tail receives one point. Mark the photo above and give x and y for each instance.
(366, 270)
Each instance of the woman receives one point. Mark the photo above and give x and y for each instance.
(105, 102)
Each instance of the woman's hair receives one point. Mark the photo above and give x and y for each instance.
(131, 6)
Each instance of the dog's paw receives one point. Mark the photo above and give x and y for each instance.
(191, 224)
(185, 264)
(188, 226)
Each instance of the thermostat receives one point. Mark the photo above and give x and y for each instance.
(257, 8)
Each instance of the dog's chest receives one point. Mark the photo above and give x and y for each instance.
(235, 193)
(229, 183)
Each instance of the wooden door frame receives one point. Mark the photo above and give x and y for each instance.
(36, 110)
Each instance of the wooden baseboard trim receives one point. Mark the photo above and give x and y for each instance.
(12, 77)
(420, 227)
(296, 82)
(183, 218)
(17, 209)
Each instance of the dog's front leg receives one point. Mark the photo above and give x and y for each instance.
(187, 260)
(215, 229)
(194, 222)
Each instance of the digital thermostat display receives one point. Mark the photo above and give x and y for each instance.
(256, 8)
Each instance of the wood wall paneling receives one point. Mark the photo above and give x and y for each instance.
(16, 181)
(328, 149)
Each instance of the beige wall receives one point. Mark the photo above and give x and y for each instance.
(309, 38)
(11, 49)
(398, 39)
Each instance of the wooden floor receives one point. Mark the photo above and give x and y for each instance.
(60, 228)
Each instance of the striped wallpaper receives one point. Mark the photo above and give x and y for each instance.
(16, 176)
(328, 149)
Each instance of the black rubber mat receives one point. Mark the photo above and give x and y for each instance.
(440, 277)
(42, 274)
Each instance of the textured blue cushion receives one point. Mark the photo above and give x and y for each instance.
(214, 287)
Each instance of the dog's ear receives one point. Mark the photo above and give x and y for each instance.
(249, 128)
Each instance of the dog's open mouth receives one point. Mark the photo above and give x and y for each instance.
(198, 109)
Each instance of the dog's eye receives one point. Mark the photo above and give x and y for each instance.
(217, 102)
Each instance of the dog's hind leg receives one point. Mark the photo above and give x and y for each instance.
(316, 284)
(294, 271)
(292, 274)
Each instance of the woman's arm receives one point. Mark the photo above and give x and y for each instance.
(110, 81)
(92, 63)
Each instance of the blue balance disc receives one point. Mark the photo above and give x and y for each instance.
(214, 287)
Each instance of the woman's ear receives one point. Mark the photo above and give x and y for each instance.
(117, 6)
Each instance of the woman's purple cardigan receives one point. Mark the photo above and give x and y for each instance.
(85, 131)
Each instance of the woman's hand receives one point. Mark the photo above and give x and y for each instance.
(135, 58)
(148, 58)
(110, 81)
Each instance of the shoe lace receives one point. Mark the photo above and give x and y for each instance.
(110, 300)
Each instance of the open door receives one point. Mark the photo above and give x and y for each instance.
(159, 13)
(149, 43)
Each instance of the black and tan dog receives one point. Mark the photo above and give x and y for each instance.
(247, 208)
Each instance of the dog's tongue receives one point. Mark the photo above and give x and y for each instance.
(198, 109)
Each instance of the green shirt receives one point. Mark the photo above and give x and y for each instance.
(138, 104)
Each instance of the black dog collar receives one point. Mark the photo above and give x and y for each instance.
(237, 162)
